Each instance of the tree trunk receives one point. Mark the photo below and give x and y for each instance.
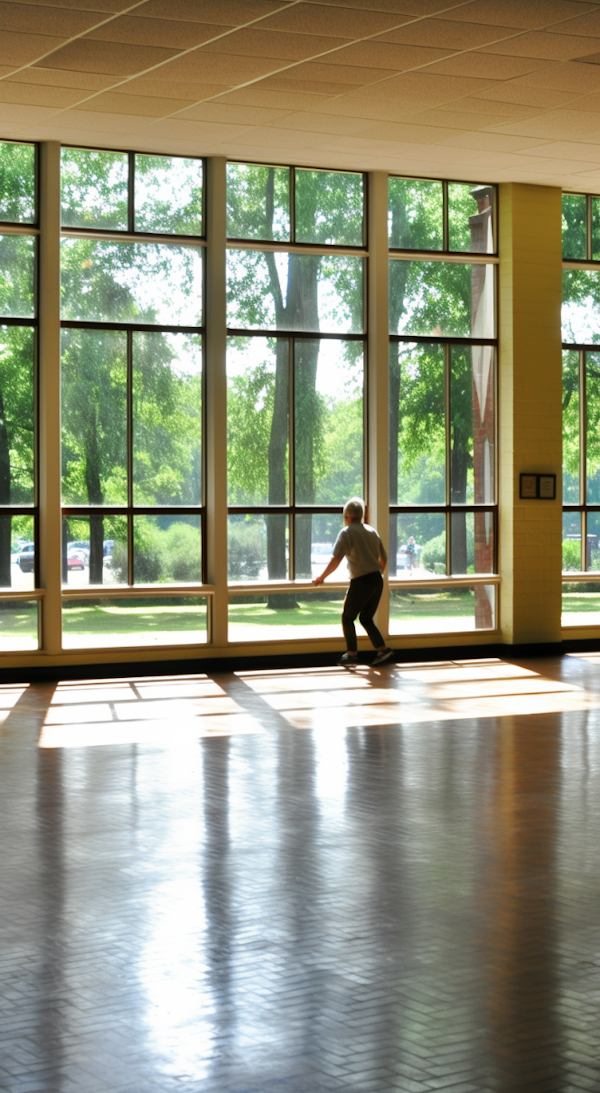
(5, 521)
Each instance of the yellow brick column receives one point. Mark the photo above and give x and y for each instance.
(530, 535)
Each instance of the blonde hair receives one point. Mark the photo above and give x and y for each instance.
(355, 508)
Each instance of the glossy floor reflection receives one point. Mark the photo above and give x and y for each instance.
(303, 881)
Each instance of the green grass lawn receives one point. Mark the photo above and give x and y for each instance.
(580, 601)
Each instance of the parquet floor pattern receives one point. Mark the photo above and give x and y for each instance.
(303, 881)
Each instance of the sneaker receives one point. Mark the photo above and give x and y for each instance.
(346, 661)
(382, 656)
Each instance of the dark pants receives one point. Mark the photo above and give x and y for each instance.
(362, 599)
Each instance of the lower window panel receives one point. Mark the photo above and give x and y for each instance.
(144, 622)
(286, 616)
(18, 626)
(444, 610)
(581, 604)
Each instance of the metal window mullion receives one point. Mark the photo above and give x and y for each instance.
(588, 232)
(582, 429)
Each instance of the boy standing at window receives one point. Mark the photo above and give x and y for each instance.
(362, 546)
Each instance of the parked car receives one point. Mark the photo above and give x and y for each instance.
(82, 545)
(76, 558)
(26, 559)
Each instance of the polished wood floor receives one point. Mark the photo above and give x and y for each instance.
(303, 881)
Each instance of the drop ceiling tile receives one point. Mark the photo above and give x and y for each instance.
(541, 99)
(540, 44)
(375, 109)
(408, 8)
(232, 12)
(485, 66)
(455, 119)
(279, 100)
(157, 32)
(37, 95)
(590, 103)
(291, 82)
(587, 25)
(93, 121)
(231, 115)
(515, 13)
(24, 49)
(322, 71)
(570, 151)
(24, 116)
(7, 70)
(194, 131)
(195, 90)
(445, 34)
(568, 76)
(140, 105)
(57, 21)
(494, 142)
(47, 77)
(395, 58)
(491, 106)
(558, 125)
(85, 55)
(306, 122)
(252, 42)
(332, 21)
(425, 87)
(410, 134)
(107, 7)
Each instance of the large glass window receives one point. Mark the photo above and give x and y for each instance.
(442, 405)
(131, 389)
(581, 411)
(295, 372)
(18, 337)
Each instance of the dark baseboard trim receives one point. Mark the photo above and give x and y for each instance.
(287, 661)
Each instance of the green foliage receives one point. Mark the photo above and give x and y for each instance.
(161, 555)
(246, 550)
(94, 188)
(571, 555)
(433, 555)
(574, 226)
(17, 182)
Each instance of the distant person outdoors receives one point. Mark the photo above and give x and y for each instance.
(411, 550)
(361, 545)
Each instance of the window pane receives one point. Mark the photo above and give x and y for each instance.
(17, 415)
(258, 547)
(168, 195)
(94, 189)
(592, 420)
(574, 226)
(415, 214)
(167, 419)
(17, 293)
(17, 182)
(119, 623)
(571, 427)
(470, 218)
(471, 542)
(257, 421)
(329, 421)
(329, 208)
(93, 551)
(439, 298)
(258, 202)
(150, 283)
(417, 424)
(166, 550)
(571, 546)
(592, 561)
(278, 616)
(17, 553)
(442, 611)
(18, 626)
(417, 544)
(472, 426)
(581, 604)
(94, 417)
(303, 292)
(581, 306)
(316, 534)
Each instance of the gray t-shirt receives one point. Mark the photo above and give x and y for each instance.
(361, 545)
